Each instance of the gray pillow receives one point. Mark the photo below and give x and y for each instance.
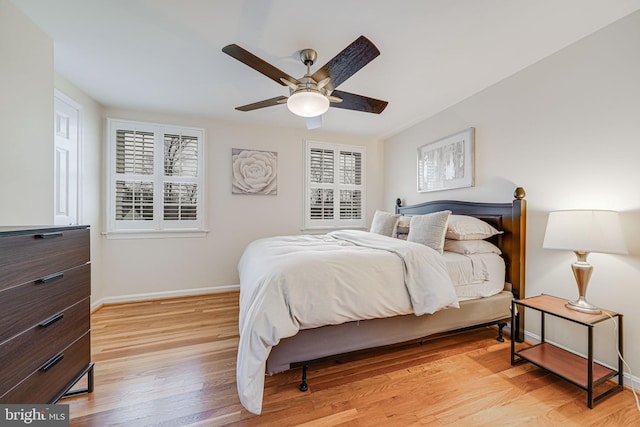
(429, 229)
(384, 223)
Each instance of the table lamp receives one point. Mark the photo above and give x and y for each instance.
(584, 231)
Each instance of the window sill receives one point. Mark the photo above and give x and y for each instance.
(322, 230)
(149, 234)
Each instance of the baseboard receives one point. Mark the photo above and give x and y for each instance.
(162, 295)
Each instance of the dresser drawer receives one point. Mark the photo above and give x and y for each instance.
(25, 258)
(44, 385)
(25, 353)
(24, 306)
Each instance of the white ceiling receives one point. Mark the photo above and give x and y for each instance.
(165, 55)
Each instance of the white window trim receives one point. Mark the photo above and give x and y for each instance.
(158, 227)
(336, 223)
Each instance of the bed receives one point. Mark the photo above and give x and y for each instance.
(308, 341)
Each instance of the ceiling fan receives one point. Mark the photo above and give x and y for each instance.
(311, 95)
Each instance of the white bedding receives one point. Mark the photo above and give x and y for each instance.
(477, 275)
(296, 282)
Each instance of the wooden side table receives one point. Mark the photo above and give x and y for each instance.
(583, 372)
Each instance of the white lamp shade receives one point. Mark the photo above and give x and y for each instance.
(308, 103)
(585, 231)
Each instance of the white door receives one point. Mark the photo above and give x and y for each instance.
(67, 161)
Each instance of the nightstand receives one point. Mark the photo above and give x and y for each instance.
(583, 372)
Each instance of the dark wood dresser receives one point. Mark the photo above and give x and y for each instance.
(45, 284)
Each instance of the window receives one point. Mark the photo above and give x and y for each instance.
(334, 186)
(155, 179)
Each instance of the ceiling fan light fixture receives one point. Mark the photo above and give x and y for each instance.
(308, 103)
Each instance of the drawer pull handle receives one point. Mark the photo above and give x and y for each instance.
(51, 362)
(48, 235)
(51, 278)
(51, 320)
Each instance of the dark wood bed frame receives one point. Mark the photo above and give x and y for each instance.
(507, 217)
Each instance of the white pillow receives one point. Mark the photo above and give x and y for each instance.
(470, 247)
(429, 229)
(463, 227)
(384, 223)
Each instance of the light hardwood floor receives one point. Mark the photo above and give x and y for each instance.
(172, 363)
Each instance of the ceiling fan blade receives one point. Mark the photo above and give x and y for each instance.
(348, 62)
(351, 101)
(313, 122)
(257, 64)
(261, 104)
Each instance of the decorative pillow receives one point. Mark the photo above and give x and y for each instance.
(463, 227)
(470, 247)
(429, 229)
(402, 228)
(384, 223)
(404, 221)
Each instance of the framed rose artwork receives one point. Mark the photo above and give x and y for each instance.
(254, 172)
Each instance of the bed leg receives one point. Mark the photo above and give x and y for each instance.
(501, 326)
(303, 385)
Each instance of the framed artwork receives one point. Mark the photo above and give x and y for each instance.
(254, 172)
(447, 163)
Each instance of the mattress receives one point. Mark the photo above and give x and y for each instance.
(479, 283)
(477, 275)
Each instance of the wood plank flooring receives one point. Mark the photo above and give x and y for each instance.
(172, 363)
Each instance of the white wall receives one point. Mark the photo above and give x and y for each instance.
(26, 120)
(143, 266)
(567, 129)
(27, 84)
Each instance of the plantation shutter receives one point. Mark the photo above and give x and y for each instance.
(334, 186)
(180, 178)
(321, 176)
(155, 178)
(134, 169)
(350, 185)
(180, 155)
(134, 200)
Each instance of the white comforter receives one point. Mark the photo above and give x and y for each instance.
(300, 282)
